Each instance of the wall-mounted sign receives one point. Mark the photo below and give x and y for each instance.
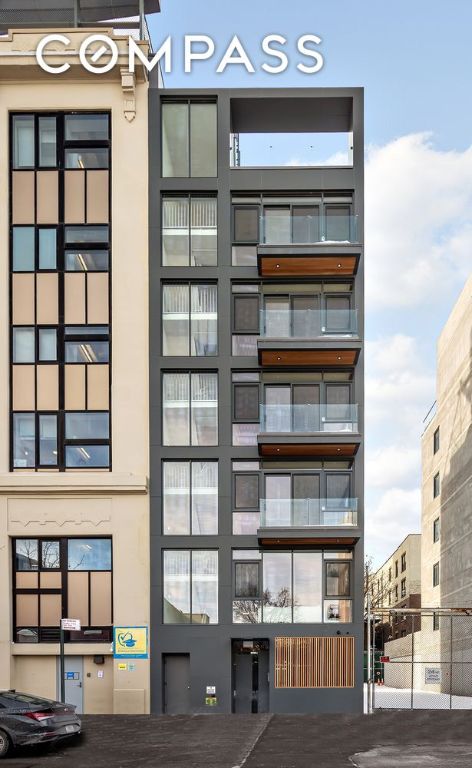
(130, 642)
(122, 667)
(432, 675)
(71, 625)
(211, 690)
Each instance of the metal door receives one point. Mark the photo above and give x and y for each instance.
(73, 681)
(250, 676)
(176, 683)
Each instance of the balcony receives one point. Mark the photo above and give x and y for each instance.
(308, 521)
(324, 430)
(308, 323)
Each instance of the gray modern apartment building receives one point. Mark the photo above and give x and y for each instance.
(256, 382)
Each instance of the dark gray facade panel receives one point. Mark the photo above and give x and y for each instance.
(210, 646)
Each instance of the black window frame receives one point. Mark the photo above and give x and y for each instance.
(191, 197)
(436, 529)
(48, 633)
(190, 462)
(436, 443)
(189, 284)
(436, 485)
(61, 247)
(436, 575)
(189, 101)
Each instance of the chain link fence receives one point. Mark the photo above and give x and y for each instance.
(420, 659)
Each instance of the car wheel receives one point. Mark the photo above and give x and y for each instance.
(5, 743)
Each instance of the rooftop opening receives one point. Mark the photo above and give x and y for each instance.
(311, 131)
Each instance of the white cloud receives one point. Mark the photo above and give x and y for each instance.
(393, 465)
(418, 222)
(400, 388)
(396, 514)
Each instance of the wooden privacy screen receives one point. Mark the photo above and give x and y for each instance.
(314, 662)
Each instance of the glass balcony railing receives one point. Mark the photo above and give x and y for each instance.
(302, 513)
(284, 228)
(309, 418)
(307, 323)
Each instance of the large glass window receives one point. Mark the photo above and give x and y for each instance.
(307, 587)
(23, 345)
(86, 437)
(24, 443)
(296, 587)
(89, 555)
(338, 579)
(26, 555)
(190, 586)
(277, 582)
(246, 515)
(87, 426)
(23, 249)
(189, 231)
(189, 320)
(47, 142)
(48, 440)
(190, 408)
(47, 248)
(86, 127)
(23, 141)
(53, 578)
(86, 344)
(189, 139)
(190, 497)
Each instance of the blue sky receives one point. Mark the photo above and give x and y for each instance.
(414, 60)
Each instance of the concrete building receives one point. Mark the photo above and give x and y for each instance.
(447, 468)
(74, 504)
(397, 584)
(256, 286)
(445, 640)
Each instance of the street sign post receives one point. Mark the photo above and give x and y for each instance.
(70, 625)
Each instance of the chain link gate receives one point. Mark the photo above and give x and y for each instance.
(419, 659)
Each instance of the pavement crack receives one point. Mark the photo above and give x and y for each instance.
(265, 720)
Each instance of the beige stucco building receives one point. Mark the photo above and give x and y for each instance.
(74, 509)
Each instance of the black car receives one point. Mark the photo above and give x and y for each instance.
(27, 720)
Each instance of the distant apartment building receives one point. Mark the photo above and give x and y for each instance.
(397, 584)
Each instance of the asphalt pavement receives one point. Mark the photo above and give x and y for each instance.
(418, 739)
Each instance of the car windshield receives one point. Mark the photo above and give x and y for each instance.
(24, 698)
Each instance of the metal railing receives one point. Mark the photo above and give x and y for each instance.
(332, 418)
(307, 323)
(284, 228)
(302, 513)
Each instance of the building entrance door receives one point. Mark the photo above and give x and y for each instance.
(73, 681)
(250, 676)
(176, 683)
